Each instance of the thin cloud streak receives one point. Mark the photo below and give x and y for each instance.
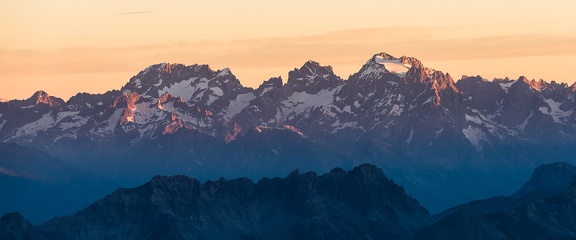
(136, 12)
(341, 47)
(258, 59)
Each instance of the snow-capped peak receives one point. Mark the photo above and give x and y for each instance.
(383, 56)
(382, 63)
(393, 66)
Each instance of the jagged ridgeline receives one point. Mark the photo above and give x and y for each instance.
(359, 204)
(446, 141)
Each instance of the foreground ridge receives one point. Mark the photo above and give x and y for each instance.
(359, 204)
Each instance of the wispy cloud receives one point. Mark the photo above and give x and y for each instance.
(257, 56)
(135, 12)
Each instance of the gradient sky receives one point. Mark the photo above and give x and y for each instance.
(65, 46)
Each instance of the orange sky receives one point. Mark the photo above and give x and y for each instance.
(65, 47)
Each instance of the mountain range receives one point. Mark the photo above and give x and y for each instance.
(362, 203)
(446, 141)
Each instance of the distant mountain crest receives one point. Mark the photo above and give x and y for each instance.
(318, 102)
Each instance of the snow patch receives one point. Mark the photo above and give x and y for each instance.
(347, 109)
(300, 102)
(429, 100)
(186, 89)
(224, 72)
(522, 126)
(32, 129)
(138, 83)
(266, 89)
(217, 91)
(475, 135)
(474, 119)
(507, 85)
(493, 128)
(278, 116)
(146, 113)
(339, 126)
(75, 122)
(410, 135)
(111, 123)
(438, 132)
(396, 110)
(372, 72)
(393, 66)
(237, 105)
(554, 111)
(211, 99)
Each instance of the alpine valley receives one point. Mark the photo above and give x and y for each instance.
(447, 142)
